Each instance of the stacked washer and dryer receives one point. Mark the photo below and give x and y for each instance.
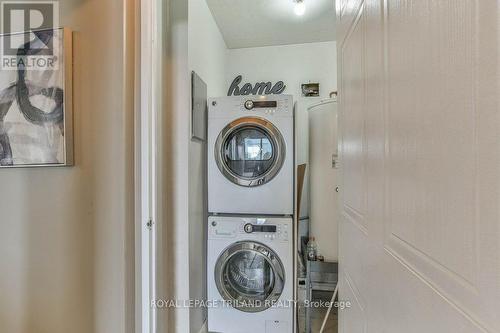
(251, 201)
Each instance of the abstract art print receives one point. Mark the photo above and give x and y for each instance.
(36, 99)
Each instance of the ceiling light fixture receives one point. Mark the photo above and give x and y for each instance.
(300, 7)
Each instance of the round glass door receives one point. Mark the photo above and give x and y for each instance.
(250, 151)
(250, 276)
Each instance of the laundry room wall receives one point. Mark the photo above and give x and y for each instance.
(207, 57)
(207, 49)
(66, 233)
(293, 64)
(217, 66)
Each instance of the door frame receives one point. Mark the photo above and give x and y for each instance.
(148, 15)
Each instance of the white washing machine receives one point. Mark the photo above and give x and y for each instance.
(250, 275)
(251, 155)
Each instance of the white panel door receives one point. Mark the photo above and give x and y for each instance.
(420, 147)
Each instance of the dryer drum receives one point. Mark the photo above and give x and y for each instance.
(250, 151)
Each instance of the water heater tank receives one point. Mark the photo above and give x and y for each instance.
(323, 177)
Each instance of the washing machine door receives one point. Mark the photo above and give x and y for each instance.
(250, 151)
(250, 276)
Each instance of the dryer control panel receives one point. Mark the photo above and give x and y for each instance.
(235, 106)
(265, 105)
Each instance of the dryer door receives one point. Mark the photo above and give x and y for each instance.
(250, 151)
(250, 276)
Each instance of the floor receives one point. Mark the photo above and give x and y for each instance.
(317, 317)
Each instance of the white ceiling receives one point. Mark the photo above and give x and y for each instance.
(253, 23)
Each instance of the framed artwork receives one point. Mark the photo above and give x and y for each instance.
(36, 116)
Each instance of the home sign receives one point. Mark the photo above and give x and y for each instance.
(260, 88)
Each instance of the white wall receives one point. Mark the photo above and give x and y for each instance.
(66, 234)
(293, 64)
(191, 41)
(207, 57)
(207, 49)
(172, 236)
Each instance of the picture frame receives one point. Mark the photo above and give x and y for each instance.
(36, 100)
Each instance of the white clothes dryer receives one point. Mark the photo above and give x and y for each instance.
(251, 155)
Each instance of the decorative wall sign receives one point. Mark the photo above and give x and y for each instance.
(260, 88)
(36, 121)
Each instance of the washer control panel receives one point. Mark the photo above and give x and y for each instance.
(263, 229)
(250, 228)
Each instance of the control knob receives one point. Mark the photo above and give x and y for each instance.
(249, 105)
(248, 228)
